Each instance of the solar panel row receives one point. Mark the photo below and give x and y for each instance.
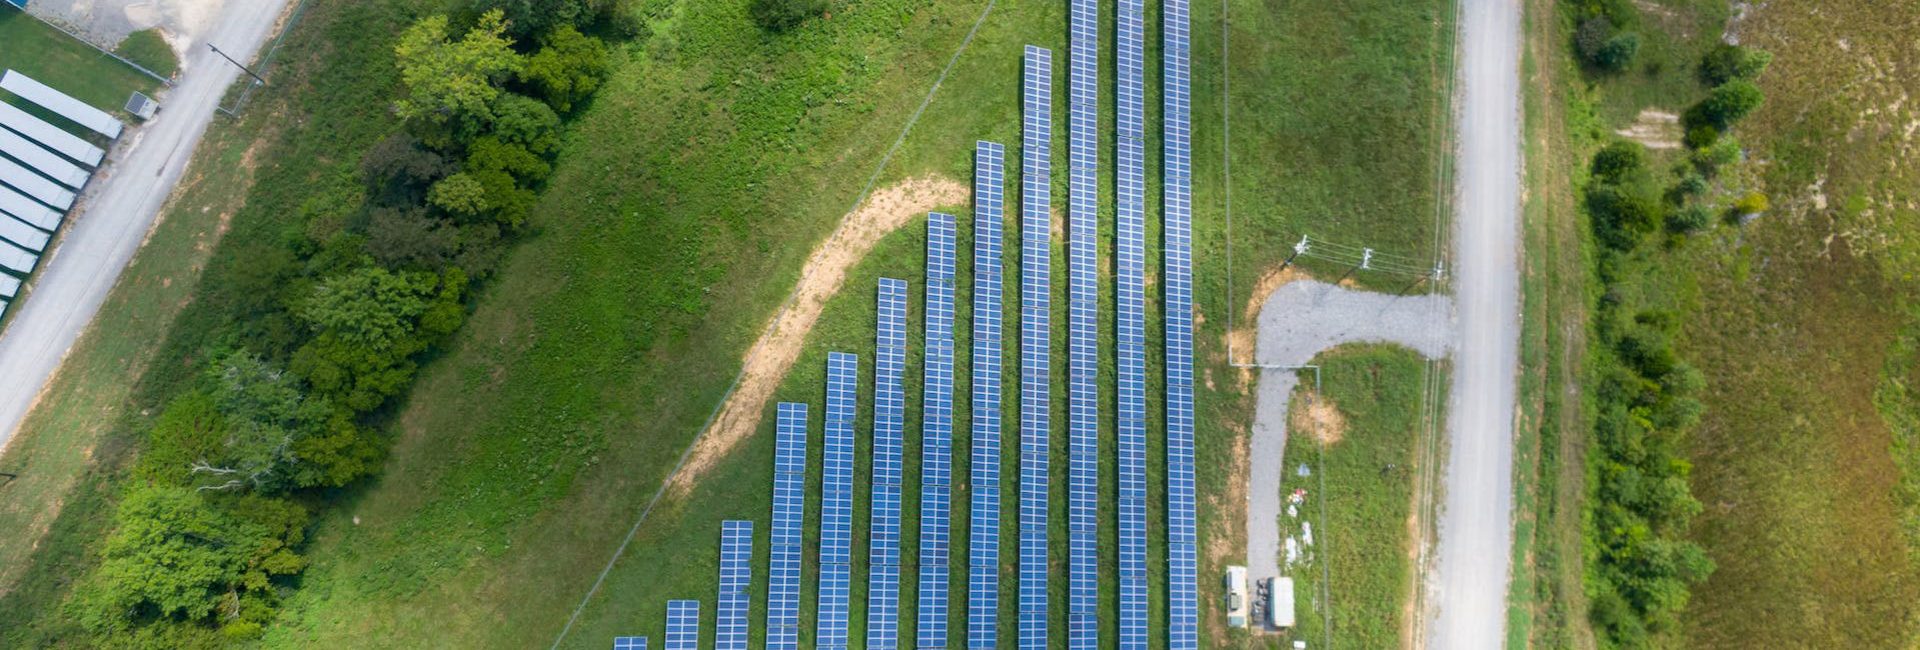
(789, 513)
(1083, 329)
(836, 502)
(936, 435)
(683, 625)
(736, 577)
(629, 643)
(1035, 334)
(889, 414)
(983, 544)
(1183, 623)
(1131, 335)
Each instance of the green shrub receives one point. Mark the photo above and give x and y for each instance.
(1619, 160)
(1689, 219)
(1701, 135)
(1752, 204)
(1726, 62)
(1724, 151)
(781, 15)
(1621, 217)
(1727, 104)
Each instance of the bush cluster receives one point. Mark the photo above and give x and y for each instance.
(1603, 36)
(374, 273)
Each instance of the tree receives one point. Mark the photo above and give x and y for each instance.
(398, 170)
(1603, 46)
(411, 239)
(461, 195)
(1617, 53)
(488, 153)
(567, 68)
(1621, 216)
(1618, 160)
(451, 85)
(782, 15)
(176, 553)
(265, 412)
(526, 17)
(1728, 103)
(367, 325)
(526, 121)
(1727, 62)
(369, 307)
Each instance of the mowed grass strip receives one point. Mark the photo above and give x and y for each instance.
(1360, 449)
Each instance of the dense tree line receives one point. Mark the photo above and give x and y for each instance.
(209, 532)
(1640, 564)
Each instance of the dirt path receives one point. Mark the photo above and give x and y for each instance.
(768, 361)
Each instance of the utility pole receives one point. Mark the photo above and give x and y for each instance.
(1366, 258)
(223, 55)
(1298, 249)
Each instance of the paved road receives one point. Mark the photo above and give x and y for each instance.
(1297, 322)
(1468, 591)
(102, 236)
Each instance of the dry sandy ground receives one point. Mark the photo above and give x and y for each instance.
(773, 354)
(107, 22)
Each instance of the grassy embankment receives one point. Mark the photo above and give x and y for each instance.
(149, 49)
(1362, 462)
(56, 59)
(1794, 319)
(1548, 607)
(245, 180)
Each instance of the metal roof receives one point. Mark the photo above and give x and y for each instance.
(73, 109)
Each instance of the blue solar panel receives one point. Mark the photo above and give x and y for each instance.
(629, 643)
(936, 436)
(1035, 332)
(1131, 332)
(836, 501)
(889, 404)
(789, 513)
(1183, 618)
(736, 577)
(983, 544)
(683, 625)
(1083, 328)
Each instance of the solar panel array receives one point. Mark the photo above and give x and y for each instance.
(1083, 328)
(889, 414)
(1131, 310)
(736, 577)
(789, 513)
(936, 436)
(629, 643)
(683, 625)
(1036, 135)
(1183, 624)
(836, 501)
(983, 544)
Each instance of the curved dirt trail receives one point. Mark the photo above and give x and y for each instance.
(768, 361)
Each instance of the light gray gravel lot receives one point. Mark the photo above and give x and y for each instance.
(1298, 321)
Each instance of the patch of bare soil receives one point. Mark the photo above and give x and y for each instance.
(768, 361)
(1241, 339)
(1315, 415)
(1654, 128)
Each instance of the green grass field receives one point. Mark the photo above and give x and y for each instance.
(1798, 460)
(531, 443)
(149, 49)
(1357, 571)
(60, 61)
